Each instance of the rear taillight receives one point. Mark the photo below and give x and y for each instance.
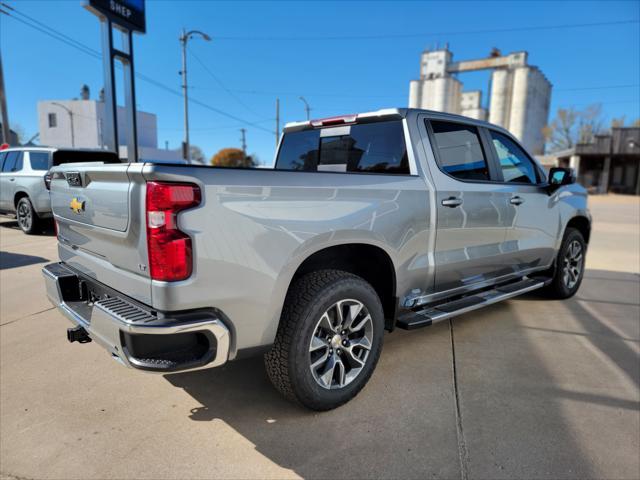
(47, 180)
(170, 256)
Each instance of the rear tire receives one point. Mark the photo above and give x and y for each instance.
(570, 264)
(27, 217)
(328, 341)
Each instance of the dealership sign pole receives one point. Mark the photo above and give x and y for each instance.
(127, 16)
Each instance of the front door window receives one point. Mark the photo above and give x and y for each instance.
(516, 166)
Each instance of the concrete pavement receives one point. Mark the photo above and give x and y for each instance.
(527, 388)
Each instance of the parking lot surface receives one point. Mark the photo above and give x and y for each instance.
(528, 388)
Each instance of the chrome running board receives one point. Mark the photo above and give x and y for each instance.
(436, 313)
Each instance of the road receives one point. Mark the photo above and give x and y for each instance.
(527, 388)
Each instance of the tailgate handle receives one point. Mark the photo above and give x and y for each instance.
(516, 201)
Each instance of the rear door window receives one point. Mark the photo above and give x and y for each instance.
(366, 148)
(515, 164)
(39, 160)
(459, 151)
(13, 162)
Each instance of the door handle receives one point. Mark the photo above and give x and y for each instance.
(12, 179)
(452, 202)
(516, 201)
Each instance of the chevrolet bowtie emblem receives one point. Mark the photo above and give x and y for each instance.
(76, 205)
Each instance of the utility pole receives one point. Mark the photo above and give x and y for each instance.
(184, 38)
(73, 143)
(243, 131)
(306, 107)
(6, 132)
(277, 121)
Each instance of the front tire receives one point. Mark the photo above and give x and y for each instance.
(570, 266)
(27, 217)
(328, 341)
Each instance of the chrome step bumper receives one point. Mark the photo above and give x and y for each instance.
(136, 336)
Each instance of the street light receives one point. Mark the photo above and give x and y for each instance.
(70, 119)
(306, 106)
(184, 38)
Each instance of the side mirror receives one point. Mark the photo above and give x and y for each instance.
(559, 176)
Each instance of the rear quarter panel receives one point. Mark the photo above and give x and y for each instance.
(255, 227)
(32, 184)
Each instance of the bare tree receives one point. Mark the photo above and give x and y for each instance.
(19, 131)
(571, 126)
(197, 155)
(590, 123)
(618, 122)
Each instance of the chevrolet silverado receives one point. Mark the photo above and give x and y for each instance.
(398, 218)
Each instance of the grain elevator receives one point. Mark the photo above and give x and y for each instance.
(519, 93)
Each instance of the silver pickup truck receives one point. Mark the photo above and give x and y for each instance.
(398, 218)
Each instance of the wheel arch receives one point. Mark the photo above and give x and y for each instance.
(18, 195)
(370, 262)
(582, 224)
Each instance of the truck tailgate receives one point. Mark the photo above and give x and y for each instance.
(98, 210)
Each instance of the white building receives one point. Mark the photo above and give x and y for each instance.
(79, 124)
(519, 99)
(471, 105)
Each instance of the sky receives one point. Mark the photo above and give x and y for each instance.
(343, 57)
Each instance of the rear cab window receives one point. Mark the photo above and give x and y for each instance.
(459, 151)
(377, 147)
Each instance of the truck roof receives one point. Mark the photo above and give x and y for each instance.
(385, 113)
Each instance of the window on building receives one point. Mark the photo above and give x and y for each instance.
(53, 120)
(369, 148)
(39, 160)
(459, 150)
(515, 164)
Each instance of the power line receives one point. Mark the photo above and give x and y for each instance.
(426, 34)
(222, 85)
(355, 95)
(603, 87)
(42, 28)
(57, 35)
(53, 33)
(403, 95)
(214, 128)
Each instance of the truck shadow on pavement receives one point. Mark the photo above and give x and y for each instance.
(14, 260)
(609, 322)
(517, 409)
(47, 228)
